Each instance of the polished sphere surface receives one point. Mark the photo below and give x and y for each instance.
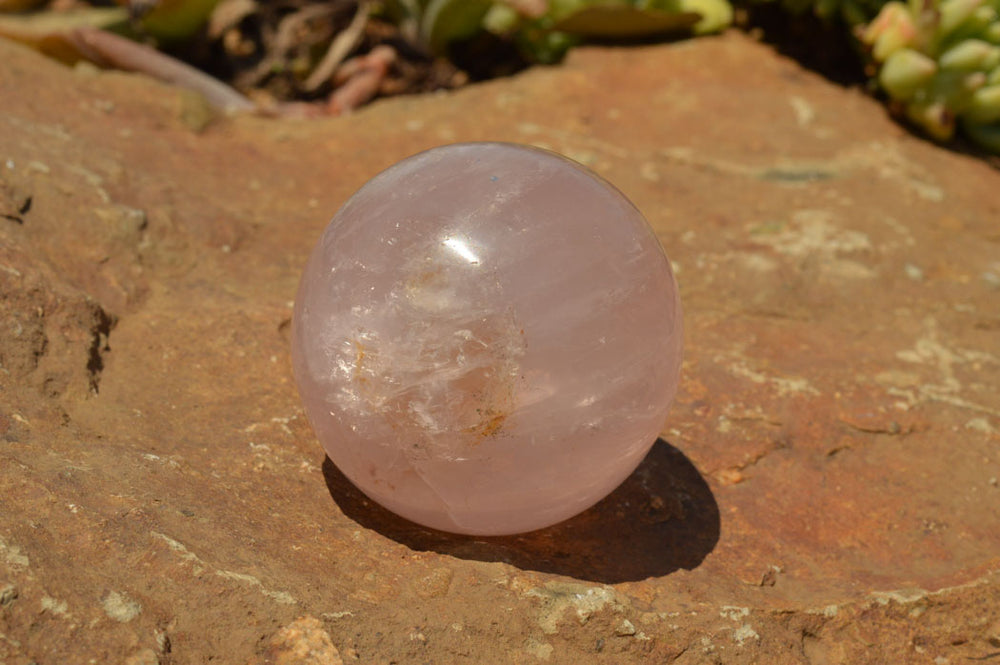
(487, 338)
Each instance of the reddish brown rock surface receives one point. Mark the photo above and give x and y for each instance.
(827, 487)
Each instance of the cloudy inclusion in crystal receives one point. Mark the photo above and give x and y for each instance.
(487, 338)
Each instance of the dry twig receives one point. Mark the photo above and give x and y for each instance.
(345, 42)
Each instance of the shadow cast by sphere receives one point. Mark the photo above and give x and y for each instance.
(661, 519)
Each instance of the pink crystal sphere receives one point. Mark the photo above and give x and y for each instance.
(487, 338)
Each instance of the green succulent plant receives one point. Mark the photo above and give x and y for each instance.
(544, 30)
(852, 12)
(939, 63)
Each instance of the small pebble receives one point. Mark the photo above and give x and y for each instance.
(625, 628)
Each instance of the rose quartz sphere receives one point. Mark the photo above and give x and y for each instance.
(487, 338)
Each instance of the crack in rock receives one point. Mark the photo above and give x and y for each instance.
(100, 335)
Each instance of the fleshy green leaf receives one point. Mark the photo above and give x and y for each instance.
(47, 32)
(446, 21)
(177, 20)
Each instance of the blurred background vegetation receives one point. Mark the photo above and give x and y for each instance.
(936, 63)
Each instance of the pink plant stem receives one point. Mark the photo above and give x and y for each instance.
(360, 78)
(111, 50)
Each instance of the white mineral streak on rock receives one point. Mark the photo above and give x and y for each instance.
(54, 605)
(120, 607)
(13, 555)
(744, 633)
(282, 597)
(199, 567)
(581, 601)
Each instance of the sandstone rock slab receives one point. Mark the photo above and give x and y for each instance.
(826, 489)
